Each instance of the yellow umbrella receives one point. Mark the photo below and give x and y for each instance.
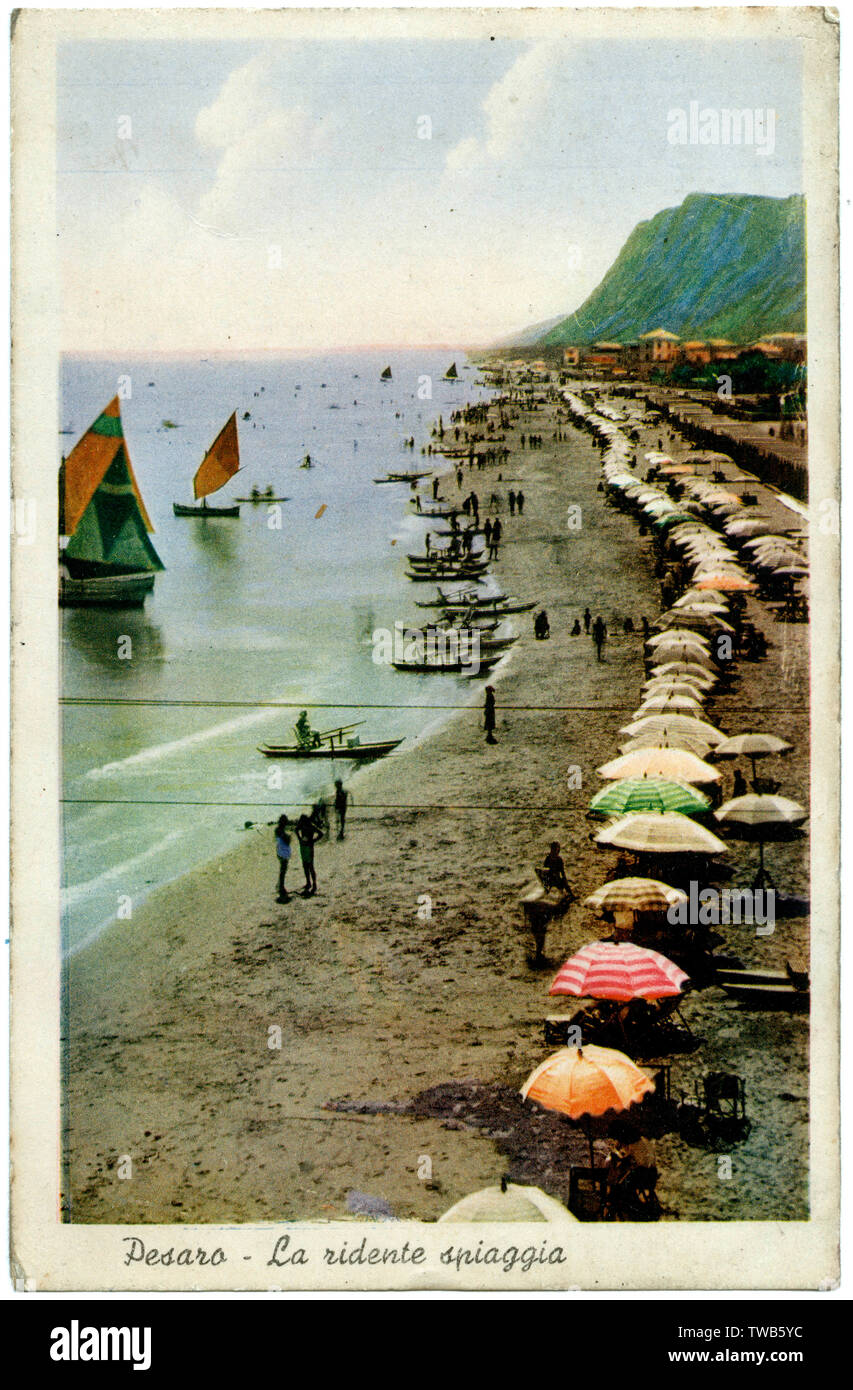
(672, 763)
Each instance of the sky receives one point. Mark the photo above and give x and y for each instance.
(312, 195)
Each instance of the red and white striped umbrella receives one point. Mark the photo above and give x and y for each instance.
(619, 970)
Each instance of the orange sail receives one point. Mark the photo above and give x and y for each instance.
(221, 461)
(86, 465)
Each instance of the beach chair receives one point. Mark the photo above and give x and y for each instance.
(722, 1105)
(587, 1192)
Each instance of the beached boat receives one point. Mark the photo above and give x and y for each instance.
(217, 468)
(429, 576)
(446, 667)
(108, 559)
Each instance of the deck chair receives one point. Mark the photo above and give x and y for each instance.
(722, 1102)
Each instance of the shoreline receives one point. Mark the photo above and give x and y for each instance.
(376, 1004)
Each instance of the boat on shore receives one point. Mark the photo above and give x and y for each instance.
(445, 667)
(108, 560)
(217, 468)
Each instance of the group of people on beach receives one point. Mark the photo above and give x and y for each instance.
(309, 829)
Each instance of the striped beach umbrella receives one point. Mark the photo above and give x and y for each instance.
(634, 895)
(637, 794)
(620, 971)
(752, 746)
(677, 634)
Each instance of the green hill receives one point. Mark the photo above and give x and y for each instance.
(715, 267)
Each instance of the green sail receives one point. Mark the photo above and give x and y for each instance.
(111, 535)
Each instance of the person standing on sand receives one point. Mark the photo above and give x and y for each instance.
(487, 532)
(511, 500)
(599, 636)
(519, 502)
(341, 801)
(489, 714)
(306, 835)
(497, 532)
(587, 620)
(282, 846)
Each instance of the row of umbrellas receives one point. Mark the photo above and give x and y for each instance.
(653, 784)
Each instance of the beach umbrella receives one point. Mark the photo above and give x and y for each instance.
(672, 763)
(702, 598)
(672, 685)
(752, 746)
(662, 702)
(695, 671)
(664, 723)
(755, 817)
(745, 527)
(618, 970)
(508, 1201)
(695, 607)
(580, 1082)
(660, 833)
(756, 812)
(690, 743)
(636, 794)
(677, 635)
(634, 895)
(725, 583)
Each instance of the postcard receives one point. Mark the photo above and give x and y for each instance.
(425, 649)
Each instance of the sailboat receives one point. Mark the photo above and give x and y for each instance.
(217, 468)
(451, 374)
(386, 375)
(108, 558)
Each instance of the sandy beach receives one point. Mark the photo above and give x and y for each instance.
(422, 1027)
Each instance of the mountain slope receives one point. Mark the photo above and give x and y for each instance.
(715, 267)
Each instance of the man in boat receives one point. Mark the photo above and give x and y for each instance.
(306, 737)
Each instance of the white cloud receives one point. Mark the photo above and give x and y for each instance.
(261, 142)
(512, 107)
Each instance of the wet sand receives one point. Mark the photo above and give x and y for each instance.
(170, 1057)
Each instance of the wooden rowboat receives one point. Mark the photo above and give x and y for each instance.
(357, 752)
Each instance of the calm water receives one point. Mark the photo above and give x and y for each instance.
(243, 611)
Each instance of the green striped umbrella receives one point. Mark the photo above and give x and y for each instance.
(637, 795)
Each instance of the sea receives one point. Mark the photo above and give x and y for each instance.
(160, 761)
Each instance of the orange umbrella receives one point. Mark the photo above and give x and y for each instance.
(723, 583)
(586, 1081)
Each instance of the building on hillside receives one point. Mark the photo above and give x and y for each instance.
(658, 347)
(571, 356)
(721, 349)
(696, 353)
(792, 346)
(604, 356)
